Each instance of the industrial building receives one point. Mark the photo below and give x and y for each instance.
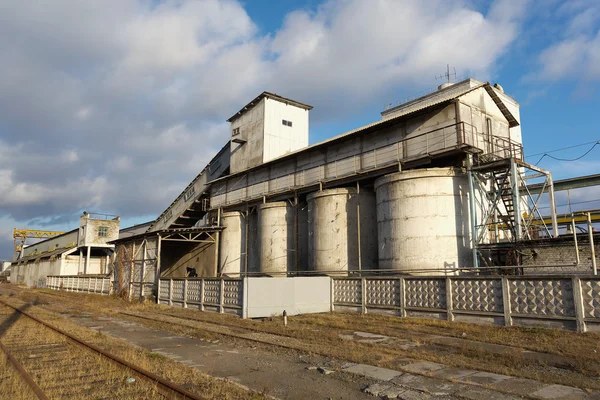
(81, 251)
(437, 186)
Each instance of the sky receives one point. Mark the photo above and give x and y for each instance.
(113, 106)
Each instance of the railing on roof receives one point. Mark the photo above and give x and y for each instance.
(441, 140)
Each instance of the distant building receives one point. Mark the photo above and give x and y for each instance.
(81, 251)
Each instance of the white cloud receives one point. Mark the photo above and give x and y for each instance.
(576, 55)
(114, 105)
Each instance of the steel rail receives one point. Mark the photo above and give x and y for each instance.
(164, 384)
(30, 382)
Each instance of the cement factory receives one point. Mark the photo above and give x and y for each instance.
(437, 187)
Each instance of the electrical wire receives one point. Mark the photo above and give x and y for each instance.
(562, 148)
(568, 159)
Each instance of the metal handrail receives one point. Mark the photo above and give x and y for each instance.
(464, 135)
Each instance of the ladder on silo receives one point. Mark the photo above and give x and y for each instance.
(502, 180)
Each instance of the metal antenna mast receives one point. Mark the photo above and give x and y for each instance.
(448, 74)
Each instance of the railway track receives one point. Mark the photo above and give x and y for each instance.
(54, 364)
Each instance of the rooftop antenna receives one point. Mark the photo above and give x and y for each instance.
(448, 74)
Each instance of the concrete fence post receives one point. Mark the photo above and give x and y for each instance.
(331, 294)
(202, 295)
(506, 302)
(402, 297)
(363, 295)
(170, 292)
(449, 305)
(158, 291)
(222, 296)
(185, 294)
(578, 304)
(102, 286)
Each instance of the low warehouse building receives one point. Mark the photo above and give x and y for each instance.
(82, 251)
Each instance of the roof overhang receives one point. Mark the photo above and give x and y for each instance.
(268, 95)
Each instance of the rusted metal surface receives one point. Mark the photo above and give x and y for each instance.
(26, 377)
(174, 391)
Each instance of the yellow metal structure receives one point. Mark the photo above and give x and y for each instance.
(21, 236)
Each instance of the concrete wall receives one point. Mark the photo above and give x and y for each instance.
(476, 108)
(175, 259)
(281, 139)
(547, 301)
(251, 126)
(35, 273)
(560, 255)
(89, 231)
(299, 295)
(249, 297)
(66, 240)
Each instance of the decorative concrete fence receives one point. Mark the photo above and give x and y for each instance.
(249, 297)
(78, 283)
(547, 301)
(217, 295)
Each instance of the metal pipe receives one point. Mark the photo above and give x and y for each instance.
(473, 210)
(247, 229)
(516, 198)
(358, 225)
(593, 251)
(552, 204)
(575, 238)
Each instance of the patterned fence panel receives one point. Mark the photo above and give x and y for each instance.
(212, 291)
(426, 293)
(177, 291)
(233, 293)
(590, 291)
(193, 291)
(477, 295)
(347, 291)
(382, 292)
(84, 284)
(542, 297)
(221, 295)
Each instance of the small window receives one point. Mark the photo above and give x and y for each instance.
(102, 231)
(168, 215)
(286, 123)
(189, 194)
(236, 131)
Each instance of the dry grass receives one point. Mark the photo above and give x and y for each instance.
(320, 334)
(12, 385)
(106, 370)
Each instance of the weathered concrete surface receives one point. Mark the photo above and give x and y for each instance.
(281, 375)
(296, 378)
(381, 374)
(253, 367)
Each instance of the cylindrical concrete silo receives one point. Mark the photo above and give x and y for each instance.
(423, 221)
(342, 230)
(232, 250)
(276, 235)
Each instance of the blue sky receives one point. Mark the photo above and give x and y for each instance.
(115, 105)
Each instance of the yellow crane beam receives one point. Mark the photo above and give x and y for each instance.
(21, 235)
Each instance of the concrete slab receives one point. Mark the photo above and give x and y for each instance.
(376, 388)
(519, 386)
(484, 378)
(453, 373)
(423, 367)
(559, 392)
(478, 393)
(428, 385)
(382, 374)
(393, 392)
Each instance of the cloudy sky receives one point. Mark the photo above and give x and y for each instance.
(115, 105)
